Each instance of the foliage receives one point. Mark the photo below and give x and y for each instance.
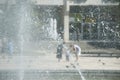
(103, 16)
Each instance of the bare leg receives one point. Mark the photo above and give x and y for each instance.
(77, 57)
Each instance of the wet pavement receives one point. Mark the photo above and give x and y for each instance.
(50, 62)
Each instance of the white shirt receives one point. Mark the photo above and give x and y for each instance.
(77, 49)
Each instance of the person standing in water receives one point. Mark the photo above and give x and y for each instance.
(67, 52)
(59, 52)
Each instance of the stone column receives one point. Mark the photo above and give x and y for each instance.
(66, 20)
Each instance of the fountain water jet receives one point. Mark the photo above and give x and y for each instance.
(24, 25)
(79, 71)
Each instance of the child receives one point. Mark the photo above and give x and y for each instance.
(59, 52)
(68, 55)
(67, 52)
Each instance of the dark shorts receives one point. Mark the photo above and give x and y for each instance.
(59, 55)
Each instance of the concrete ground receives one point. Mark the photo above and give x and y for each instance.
(50, 62)
(37, 57)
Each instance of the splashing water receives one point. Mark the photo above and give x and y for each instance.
(79, 71)
(52, 29)
(25, 21)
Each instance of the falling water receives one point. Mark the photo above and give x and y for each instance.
(25, 24)
(23, 34)
(52, 29)
(22, 20)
